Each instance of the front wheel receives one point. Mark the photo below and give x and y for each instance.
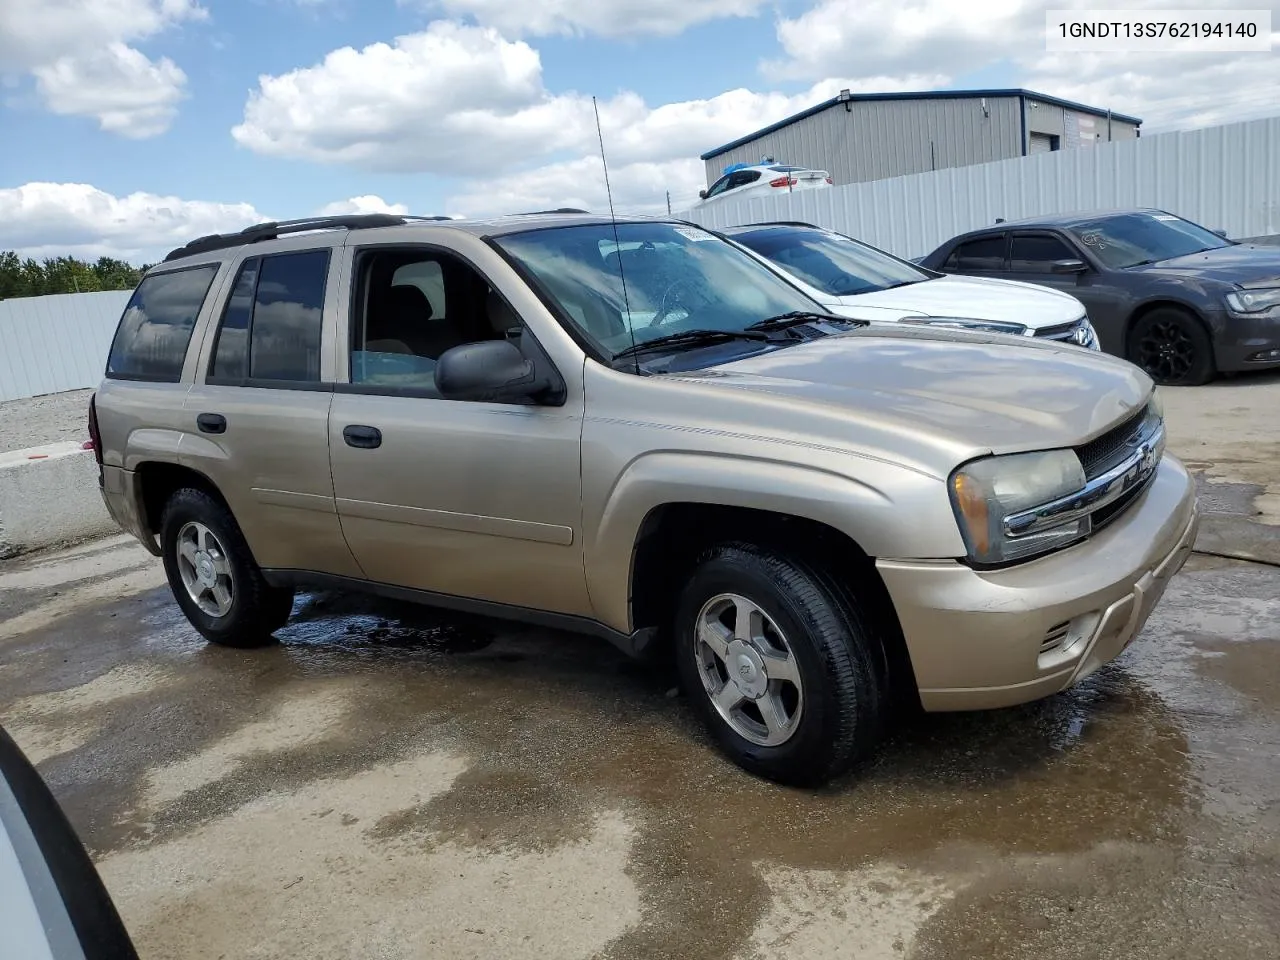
(779, 664)
(1173, 347)
(213, 575)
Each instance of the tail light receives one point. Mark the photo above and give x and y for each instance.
(95, 438)
(783, 182)
(829, 180)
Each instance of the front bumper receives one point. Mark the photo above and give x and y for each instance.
(983, 639)
(1245, 342)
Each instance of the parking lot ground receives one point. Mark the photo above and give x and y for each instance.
(394, 783)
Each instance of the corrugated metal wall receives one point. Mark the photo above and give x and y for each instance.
(56, 343)
(1224, 177)
(876, 139)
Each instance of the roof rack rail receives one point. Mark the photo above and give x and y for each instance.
(537, 213)
(277, 228)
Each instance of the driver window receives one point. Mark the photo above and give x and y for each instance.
(720, 186)
(412, 306)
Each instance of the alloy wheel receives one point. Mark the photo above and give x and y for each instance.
(748, 670)
(205, 569)
(1165, 351)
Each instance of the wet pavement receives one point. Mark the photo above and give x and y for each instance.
(388, 782)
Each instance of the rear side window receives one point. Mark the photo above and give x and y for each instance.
(151, 340)
(271, 328)
(986, 253)
(231, 356)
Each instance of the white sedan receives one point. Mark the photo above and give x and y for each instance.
(854, 279)
(763, 179)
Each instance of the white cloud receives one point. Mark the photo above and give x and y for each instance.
(609, 18)
(464, 101)
(892, 37)
(129, 94)
(363, 204)
(52, 219)
(80, 55)
(452, 99)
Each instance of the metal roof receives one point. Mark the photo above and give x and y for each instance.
(926, 95)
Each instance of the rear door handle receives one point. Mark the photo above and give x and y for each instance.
(211, 423)
(358, 435)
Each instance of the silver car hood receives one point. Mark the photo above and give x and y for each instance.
(960, 393)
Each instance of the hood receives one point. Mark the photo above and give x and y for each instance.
(1245, 264)
(984, 299)
(959, 393)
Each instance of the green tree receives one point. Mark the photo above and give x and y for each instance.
(31, 278)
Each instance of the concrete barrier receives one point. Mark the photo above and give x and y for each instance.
(49, 495)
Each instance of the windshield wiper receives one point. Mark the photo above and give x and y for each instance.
(688, 338)
(797, 317)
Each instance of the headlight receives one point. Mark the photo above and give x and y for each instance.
(986, 491)
(969, 323)
(1156, 404)
(1086, 336)
(1254, 301)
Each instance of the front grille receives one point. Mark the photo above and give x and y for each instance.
(1060, 331)
(1104, 515)
(1101, 454)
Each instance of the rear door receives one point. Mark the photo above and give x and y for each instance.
(257, 416)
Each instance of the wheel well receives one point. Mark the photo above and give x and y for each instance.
(673, 535)
(1154, 305)
(159, 481)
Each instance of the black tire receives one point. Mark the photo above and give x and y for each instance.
(257, 609)
(840, 660)
(1173, 347)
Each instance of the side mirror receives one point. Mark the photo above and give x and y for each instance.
(1068, 266)
(702, 194)
(1222, 234)
(494, 371)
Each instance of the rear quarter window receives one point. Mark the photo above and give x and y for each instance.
(152, 338)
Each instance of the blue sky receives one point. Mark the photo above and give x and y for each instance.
(129, 125)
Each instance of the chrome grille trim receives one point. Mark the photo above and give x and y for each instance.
(1102, 453)
(1132, 472)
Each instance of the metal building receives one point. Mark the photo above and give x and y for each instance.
(862, 137)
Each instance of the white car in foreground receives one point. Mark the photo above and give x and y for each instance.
(853, 279)
(763, 179)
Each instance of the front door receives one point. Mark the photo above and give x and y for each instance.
(469, 499)
(1031, 259)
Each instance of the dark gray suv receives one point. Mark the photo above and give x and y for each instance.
(1180, 301)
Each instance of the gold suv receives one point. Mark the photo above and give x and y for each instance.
(637, 430)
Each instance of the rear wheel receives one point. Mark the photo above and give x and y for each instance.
(213, 575)
(1173, 347)
(781, 667)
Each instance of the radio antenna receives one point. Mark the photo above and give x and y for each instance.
(626, 300)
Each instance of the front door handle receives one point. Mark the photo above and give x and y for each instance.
(358, 435)
(211, 423)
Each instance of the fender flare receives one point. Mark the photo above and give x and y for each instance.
(861, 510)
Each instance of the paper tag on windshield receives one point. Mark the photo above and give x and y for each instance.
(693, 233)
(1162, 216)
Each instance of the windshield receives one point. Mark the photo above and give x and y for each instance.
(678, 278)
(1129, 239)
(834, 264)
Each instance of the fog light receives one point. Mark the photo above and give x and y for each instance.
(1265, 355)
